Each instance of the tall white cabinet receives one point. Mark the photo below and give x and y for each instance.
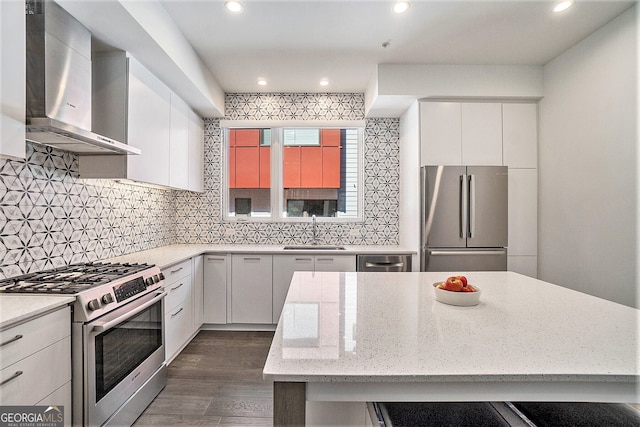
(491, 133)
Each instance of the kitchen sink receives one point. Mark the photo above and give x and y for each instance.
(314, 248)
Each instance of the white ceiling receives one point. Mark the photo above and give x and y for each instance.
(293, 44)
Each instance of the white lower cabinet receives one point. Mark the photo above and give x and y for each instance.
(178, 328)
(283, 268)
(198, 292)
(215, 288)
(285, 265)
(251, 289)
(35, 362)
(178, 308)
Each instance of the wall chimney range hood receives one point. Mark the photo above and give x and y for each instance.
(59, 83)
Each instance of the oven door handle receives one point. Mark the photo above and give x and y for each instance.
(103, 326)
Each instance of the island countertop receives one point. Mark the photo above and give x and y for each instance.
(526, 339)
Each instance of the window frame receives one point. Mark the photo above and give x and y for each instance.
(276, 181)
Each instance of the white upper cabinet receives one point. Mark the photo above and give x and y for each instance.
(441, 140)
(132, 105)
(520, 135)
(12, 78)
(196, 153)
(179, 144)
(481, 133)
(453, 133)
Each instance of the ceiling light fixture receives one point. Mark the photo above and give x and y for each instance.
(562, 6)
(401, 6)
(324, 82)
(234, 6)
(262, 82)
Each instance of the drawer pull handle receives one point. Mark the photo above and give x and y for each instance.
(16, 338)
(175, 271)
(252, 259)
(177, 312)
(303, 259)
(11, 378)
(215, 259)
(173, 289)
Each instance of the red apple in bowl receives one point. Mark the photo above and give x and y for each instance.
(453, 284)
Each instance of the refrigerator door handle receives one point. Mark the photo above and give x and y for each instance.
(472, 206)
(464, 209)
(438, 252)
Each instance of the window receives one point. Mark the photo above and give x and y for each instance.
(292, 172)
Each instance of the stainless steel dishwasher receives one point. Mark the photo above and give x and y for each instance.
(380, 262)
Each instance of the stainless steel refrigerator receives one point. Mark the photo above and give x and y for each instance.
(464, 218)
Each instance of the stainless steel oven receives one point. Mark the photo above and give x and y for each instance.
(124, 357)
(117, 336)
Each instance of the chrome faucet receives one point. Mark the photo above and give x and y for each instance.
(314, 240)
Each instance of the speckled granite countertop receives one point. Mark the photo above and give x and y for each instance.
(15, 309)
(168, 255)
(388, 329)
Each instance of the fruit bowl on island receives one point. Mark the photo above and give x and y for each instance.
(456, 291)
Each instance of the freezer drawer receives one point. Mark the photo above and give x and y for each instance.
(464, 259)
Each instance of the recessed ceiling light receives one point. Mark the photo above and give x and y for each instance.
(262, 82)
(401, 6)
(324, 82)
(234, 6)
(562, 6)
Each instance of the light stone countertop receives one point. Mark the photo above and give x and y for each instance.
(15, 309)
(167, 255)
(362, 336)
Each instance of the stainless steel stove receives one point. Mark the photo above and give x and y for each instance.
(117, 336)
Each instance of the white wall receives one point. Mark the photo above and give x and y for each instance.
(588, 165)
(410, 181)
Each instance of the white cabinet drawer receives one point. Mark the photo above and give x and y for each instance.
(23, 340)
(60, 397)
(33, 378)
(177, 271)
(335, 263)
(177, 292)
(178, 325)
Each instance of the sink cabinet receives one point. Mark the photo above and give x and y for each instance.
(285, 265)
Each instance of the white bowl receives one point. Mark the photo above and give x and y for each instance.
(463, 299)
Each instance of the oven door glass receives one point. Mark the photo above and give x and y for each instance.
(122, 348)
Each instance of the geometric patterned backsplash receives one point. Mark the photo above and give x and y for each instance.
(199, 216)
(49, 217)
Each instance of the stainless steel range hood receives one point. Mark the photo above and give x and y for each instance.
(59, 83)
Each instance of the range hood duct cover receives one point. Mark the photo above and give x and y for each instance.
(59, 89)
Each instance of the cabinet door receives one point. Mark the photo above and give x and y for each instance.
(335, 263)
(283, 268)
(148, 123)
(523, 211)
(12, 78)
(196, 153)
(215, 289)
(251, 289)
(330, 167)
(440, 137)
(179, 144)
(197, 292)
(481, 134)
(265, 167)
(178, 325)
(520, 135)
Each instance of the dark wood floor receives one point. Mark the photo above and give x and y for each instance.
(216, 381)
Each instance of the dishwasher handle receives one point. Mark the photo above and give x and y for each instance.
(384, 262)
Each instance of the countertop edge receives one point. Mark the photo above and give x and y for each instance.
(16, 309)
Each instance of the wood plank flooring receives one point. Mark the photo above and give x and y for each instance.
(216, 381)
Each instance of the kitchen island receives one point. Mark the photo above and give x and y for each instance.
(383, 337)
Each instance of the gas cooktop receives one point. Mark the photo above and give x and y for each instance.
(71, 279)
